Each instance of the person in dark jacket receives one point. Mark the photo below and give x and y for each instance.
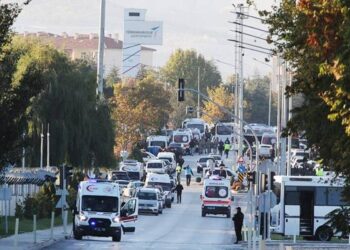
(181, 161)
(179, 189)
(238, 220)
(222, 172)
(221, 147)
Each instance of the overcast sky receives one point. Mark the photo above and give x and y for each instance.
(188, 24)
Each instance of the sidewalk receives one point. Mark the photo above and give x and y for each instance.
(26, 240)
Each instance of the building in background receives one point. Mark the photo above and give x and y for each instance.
(85, 46)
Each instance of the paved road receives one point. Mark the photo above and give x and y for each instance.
(180, 227)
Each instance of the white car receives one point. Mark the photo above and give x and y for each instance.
(156, 166)
(132, 188)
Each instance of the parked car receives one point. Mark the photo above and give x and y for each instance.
(149, 201)
(132, 187)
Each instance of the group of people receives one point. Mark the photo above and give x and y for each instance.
(206, 145)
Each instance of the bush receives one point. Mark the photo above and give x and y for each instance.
(19, 210)
(30, 207)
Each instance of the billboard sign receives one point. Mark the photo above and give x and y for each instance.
(143, 32)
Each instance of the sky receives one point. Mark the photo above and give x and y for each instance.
(202, 25)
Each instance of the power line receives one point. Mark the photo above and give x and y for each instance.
(259, 47)
(263, 52)
(243, 14)
(251, 27)
(249, 35)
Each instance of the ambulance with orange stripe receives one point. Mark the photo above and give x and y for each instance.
(216, 196)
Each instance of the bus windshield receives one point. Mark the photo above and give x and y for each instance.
(224, 129)
(200, 127)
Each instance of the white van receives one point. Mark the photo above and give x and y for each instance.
(158, 140)
(156, 166)
(170, 156)
(183, 137)
(98, 211)
(267, 140)
(216, 196)
(162, 180)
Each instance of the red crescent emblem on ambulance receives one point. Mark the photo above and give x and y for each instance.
(91, 188)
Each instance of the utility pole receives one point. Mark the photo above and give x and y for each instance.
(23, 152)
(101, 50)
(199, 90)
(290, 107)
(48, 147)
(270, 104)
(278, 145)
(41, 146)
(236, 75)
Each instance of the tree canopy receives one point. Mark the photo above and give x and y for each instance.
(313, 37)
(185, 64)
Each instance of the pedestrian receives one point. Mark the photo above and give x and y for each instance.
(178, 173)
(215, 145)
(181, 161)
(227, 147)
(222, 172)
(188, 173)
(238, 221)
(221, 147)
(178, 189)
(192, 145)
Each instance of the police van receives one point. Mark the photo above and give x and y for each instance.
(98, 211)
(216, 196)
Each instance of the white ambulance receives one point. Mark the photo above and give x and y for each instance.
(98, 211)
(216, 196)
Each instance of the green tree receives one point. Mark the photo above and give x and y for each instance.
(256, 97)
(316, 46)
(185, 64)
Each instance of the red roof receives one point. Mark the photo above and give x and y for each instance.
(78, 41)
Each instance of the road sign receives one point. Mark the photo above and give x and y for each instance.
(241, 168)
(240, 160)
(5, 194)
(61, 202)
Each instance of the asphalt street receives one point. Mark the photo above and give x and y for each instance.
(180, 227)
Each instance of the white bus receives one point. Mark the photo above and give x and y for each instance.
(303, 203)
(195, 123)
(227, 130)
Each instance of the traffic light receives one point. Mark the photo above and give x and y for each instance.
(68, 171)
(251, 177)
(189, 110)
(181, 91)
(272, 176)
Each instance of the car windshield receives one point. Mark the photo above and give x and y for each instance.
(165, 186)
(204, 159)
(224, 130)
(120, 176)
(99, 203)
(146, 196)
(158, 143)
(166, 158)
(200, 127)
(216, 192)
(174, 145)
(154, 165)
(181, 138)
(134, 175)
(268, 140)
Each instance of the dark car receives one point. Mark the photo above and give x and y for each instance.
(176, 148)
(120, 175)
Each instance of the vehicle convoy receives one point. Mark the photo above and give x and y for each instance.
(156, 166)
(216, 197)
(303, 203)
(149, 201)
(133, 168)
(158, 140)
(164, 181)
(98, 211)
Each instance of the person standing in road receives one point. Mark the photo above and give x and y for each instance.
(222, 172)
(188, 173)
(238, 221)
(178, 173)
(178, 189)
(221, 147)
(181, 161)
(227, 147)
